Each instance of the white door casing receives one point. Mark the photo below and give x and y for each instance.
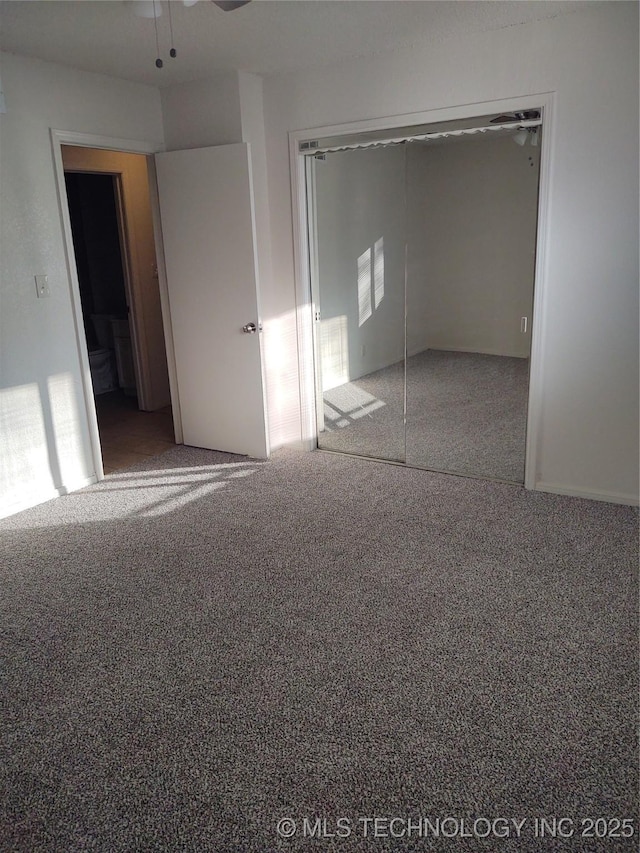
(135, 225)
(208, 227)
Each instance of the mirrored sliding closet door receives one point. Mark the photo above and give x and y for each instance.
(472, 203)
(422, 260)
(358, 267)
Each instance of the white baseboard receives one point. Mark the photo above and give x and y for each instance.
(27, 502)
(608, 497)
(74, 485)
(300, 444)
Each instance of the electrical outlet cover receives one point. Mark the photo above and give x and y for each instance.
(42, 286)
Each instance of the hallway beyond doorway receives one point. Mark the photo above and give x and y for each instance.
(129, 435)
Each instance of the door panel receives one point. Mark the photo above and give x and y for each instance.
(358, 217)
(470, 271)
(206, 208)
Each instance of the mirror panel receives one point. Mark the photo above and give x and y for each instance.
(357, 220)
(472, 215)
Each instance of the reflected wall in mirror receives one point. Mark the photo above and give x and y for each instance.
(470, 273)
(357, 211)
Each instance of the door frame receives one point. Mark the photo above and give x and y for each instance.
(314, 278)
(128, 146)
(306, 308)
(131, 269)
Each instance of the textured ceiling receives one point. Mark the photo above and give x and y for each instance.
(266, 36)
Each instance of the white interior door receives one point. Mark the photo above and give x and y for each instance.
(206, 208)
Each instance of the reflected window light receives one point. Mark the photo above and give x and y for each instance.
(364, 287)
(27, 459)
(334, 349)
(378, 272)
(349, 403)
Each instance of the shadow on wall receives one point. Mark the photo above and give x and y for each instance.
(45, 444)
(46, 451)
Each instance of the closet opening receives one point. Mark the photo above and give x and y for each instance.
(422, 261)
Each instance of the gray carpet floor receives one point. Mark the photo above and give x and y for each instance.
(197, 648)
(466, 413)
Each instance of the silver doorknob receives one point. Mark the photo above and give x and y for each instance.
(250, 328)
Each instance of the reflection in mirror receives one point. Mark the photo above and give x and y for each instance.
(357, 222)
(423, 261)
(472, 213)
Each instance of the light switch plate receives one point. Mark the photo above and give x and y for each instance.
(42, 286)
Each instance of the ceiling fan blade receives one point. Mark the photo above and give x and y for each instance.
(230, 5)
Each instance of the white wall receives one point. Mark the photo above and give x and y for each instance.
(206, 112)
(472, 204)
(360, 224)
(222, 110)
(588, 440)
(44, 441)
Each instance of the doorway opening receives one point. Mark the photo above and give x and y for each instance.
(422, 252)
(112, 232)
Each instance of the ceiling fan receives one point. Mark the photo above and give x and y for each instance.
(526, 134)
(153, 9)
(230, 5)
(525, 115)
(225, 5)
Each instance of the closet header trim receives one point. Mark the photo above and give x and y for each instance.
(325, 146)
